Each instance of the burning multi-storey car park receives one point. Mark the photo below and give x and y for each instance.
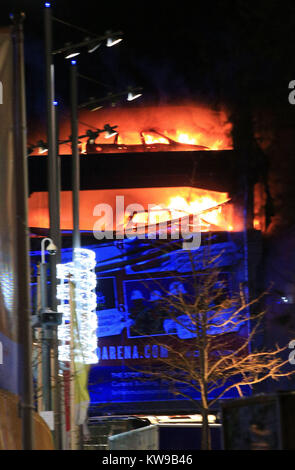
(166, 183)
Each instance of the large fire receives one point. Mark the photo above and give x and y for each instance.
(212, 208)
(140, 129)
(215, 210)
(148, 128)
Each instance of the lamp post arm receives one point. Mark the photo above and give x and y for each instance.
(44, 240)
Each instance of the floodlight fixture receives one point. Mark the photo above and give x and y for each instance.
(113, 38)
(71, 54)
(94, 47)
(110, 131)
(42, 146)
(133, 96)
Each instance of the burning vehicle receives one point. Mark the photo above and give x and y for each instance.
(151, 141)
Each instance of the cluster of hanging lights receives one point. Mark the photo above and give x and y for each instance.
(81, 273)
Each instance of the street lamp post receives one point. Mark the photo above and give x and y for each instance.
(53, 198)
(75, 156)
(51, 130)
(22, 285)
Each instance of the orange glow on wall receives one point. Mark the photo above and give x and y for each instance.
(214, 208)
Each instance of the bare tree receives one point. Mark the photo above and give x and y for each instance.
(217, 354)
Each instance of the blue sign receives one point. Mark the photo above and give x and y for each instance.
(133, 278)
(132, 327)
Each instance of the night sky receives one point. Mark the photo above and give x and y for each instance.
(234, 53)
(175, 51)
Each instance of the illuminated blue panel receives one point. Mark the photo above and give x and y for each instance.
(109, 385)
(132, 276)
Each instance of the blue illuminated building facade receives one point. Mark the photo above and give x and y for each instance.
(132, 274)
(131, 327)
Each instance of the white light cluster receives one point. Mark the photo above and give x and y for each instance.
(81, 273)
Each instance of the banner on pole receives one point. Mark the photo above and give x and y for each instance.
(80, 368)
(9, 365)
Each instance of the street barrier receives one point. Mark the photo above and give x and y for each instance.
(146, 438)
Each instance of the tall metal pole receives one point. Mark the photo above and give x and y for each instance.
(51, 126)
(53, 187)
(76, 240)
(22, 239)
(75, 155)
(58, 390)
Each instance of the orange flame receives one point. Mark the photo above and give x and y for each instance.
(213, 208)
(189, 125)
(216, 212)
